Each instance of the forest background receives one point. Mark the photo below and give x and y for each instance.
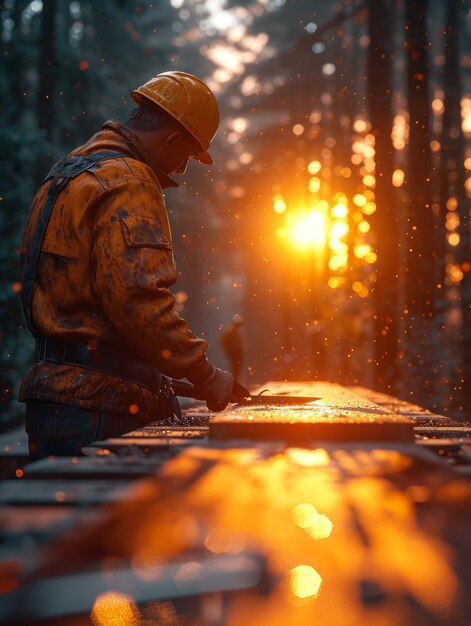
(336, 217)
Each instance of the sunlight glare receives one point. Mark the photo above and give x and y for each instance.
(279, 204)
(314, 167)
(339, 210)
(304, 581)
(309, 230)
(318, 526)
(301, 513)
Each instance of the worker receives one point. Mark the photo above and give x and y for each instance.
(234, 344)
(97, 265)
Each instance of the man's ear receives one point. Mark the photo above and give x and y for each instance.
(172, 137)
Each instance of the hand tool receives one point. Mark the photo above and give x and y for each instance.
(241, 395)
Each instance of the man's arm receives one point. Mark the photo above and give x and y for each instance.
(133, 262)
(132, 255)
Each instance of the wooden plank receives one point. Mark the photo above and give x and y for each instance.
(194, 413)
(58, 600)
(61, 492)
(339, 416)
(444, 432)
(445, 444)
(142, 445)
(24, 529)
(407, 409)
(172, 432)
(25, 519)
(107, 467)
(272, 427)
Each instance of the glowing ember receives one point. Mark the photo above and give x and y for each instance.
(114, 608)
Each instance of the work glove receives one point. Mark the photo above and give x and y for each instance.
(219, 388)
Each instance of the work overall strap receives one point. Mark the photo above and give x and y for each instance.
(60, 174)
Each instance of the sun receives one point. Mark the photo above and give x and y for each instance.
(308, 230)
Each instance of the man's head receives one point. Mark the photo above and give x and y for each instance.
(169, 143)
(176, 118)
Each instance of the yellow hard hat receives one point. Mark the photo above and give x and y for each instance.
(189, 100)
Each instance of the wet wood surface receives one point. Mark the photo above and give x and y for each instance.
(342, 529)
(110, 467)
(337, 416)
(63, 491)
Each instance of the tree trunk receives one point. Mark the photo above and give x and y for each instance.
(12, 81)
(384, 221)
(46, 69)
(453, 180)
(420, 340)
(420, 283)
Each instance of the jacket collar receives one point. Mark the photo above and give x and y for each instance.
(141, 150)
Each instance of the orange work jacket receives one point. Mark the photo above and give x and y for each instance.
(103, 280)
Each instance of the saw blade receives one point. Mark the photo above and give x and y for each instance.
(275, 400)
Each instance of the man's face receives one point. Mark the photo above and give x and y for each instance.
(180, 148)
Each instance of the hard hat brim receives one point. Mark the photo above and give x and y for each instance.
(204, 157)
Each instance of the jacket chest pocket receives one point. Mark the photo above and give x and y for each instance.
(145, 233)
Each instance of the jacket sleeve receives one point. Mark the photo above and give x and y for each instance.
(133, 264)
